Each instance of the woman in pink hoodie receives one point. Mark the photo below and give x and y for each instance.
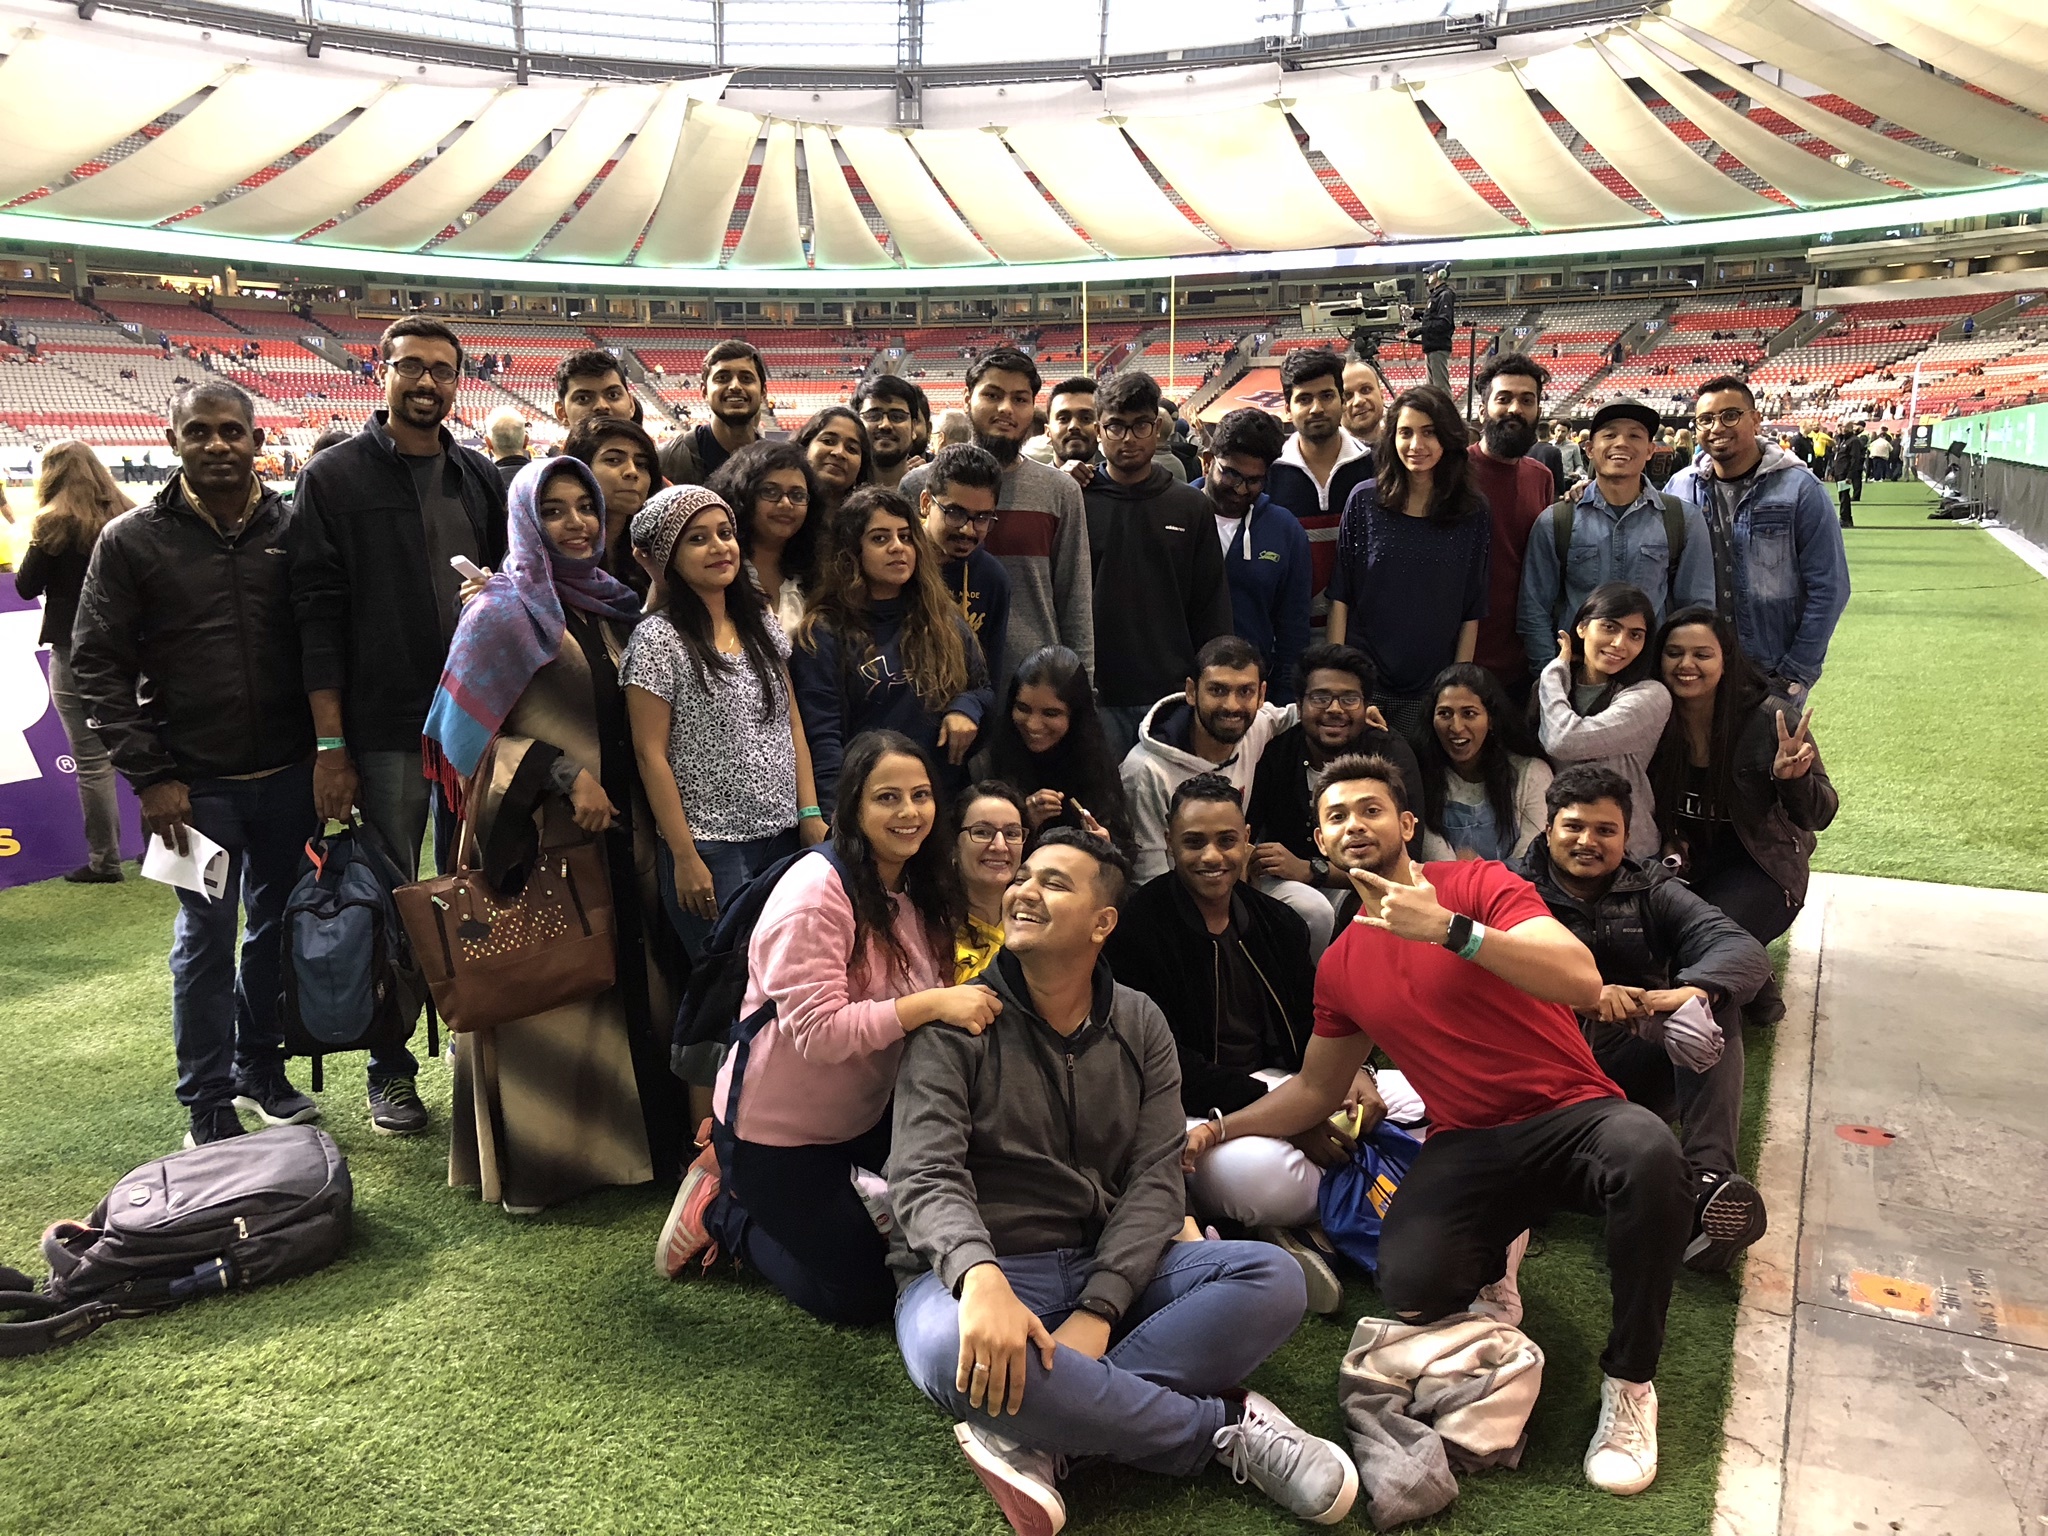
(853, 951)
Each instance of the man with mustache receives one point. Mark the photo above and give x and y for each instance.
(736, 391)
(1460, 973)
(899, 423)
(1041, 530)
(1517, 489)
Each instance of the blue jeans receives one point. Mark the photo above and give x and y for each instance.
(732, 865)
(224, 1023)
(395, 798)
(1212, 1313)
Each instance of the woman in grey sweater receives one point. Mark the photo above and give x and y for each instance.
(1602, 702)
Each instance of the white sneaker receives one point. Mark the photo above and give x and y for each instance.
(1310, 1477)
(1623, 1455)
(1021, 1480)
(1325, 1290)
(1502, 1300)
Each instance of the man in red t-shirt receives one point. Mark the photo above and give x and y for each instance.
(1517, 485)
(1460, 973)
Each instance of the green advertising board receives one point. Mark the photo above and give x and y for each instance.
(2019, 436)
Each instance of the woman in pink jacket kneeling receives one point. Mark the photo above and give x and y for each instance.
(854, 949)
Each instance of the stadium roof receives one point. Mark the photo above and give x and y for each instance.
(890, 140)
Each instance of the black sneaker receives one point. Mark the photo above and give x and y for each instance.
(85, 874)
(271, 1096)
(1728, 1216)
(1767, 1007)
(395, 1107)
(215, 1124)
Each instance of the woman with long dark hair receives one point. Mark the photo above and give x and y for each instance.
(720, 745)
(1602, 702)
(883, 646)
(628, 469)
(852, 952)
(779, 507)
(1413, 551)
(1483, 774)
(835, 441)
(529, 724)
(1740, 789)
(1047, 742)
(75, 498)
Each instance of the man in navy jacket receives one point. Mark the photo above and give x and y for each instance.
(1265, 551)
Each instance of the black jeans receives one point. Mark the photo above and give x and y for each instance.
(793, 1215)
(1734, 882)
(1470, 1192)
(1709, 1103)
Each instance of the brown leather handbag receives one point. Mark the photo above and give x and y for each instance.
(489, 960)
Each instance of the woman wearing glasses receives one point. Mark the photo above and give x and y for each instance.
(882, 646)
(772, 493)
(987, 851)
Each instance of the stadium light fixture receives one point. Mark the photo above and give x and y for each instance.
(1819, 224)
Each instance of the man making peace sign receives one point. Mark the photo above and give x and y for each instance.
(1461, 975)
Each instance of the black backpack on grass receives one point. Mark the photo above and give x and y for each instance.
(221, 1217)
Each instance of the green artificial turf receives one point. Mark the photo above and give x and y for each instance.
(461, 1371)
(1933, 713)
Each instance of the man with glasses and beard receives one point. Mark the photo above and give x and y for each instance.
(899, 423)
(1265, 551)
(1781, 575)
(1517, 489)
(736, 391)
(1041, 532)
(958, 509)
(376, 521)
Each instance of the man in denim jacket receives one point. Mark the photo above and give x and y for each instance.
(1780, 572)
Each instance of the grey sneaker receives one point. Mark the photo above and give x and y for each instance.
(215, 1124)
(271, 1097)
(1021, 1480)
(395, 1107)
(1306, 1476)
(1325, 1290)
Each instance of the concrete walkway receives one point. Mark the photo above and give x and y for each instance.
(1891, 1369)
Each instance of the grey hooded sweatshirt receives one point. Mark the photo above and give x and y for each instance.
(1020, 1141)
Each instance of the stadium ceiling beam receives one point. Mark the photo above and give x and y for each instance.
(1862, 219)
(1409, 40)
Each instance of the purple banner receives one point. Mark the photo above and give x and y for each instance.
(42, 830)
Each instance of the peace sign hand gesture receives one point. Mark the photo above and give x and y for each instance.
(1796, 754)
(1408, 911)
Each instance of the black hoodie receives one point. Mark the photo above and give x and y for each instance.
(1161, 592)
(1021, 1140)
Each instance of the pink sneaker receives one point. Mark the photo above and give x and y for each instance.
(683, 1237)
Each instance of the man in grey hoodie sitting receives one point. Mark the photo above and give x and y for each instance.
(1046, 1304)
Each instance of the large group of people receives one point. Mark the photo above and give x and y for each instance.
(1101, 830)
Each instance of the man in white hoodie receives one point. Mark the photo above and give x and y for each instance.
(1221, 724)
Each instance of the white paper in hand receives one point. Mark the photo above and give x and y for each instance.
(204, 869)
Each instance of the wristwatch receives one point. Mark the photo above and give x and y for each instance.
(1318, 868)
(1459, 934)
(1095, 1306)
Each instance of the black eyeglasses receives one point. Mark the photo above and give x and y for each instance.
(966, 519)
(1732, 417)
(886, 418)
(1227, 476)
(776, 495)
(1130, 428)
(411, 368)
(982, 834)
(1322, 698)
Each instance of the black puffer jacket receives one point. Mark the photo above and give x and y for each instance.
(1161, 947)
(1439, 320)
(185, 648)
(368, 618)
(1650, 930)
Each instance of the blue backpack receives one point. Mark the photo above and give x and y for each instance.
(350, 980)
(1355, 1195)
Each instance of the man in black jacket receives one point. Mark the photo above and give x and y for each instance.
(1658, 946)
(376, 523)
(1161, 593)
(1337, 720)
(1229, 968)
(1439, 328)
(187, 657)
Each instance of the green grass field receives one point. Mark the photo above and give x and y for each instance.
(463, 1372)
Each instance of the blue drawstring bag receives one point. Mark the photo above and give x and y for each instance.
(1355, 1195)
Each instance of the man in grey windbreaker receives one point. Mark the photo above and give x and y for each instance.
(1048, 1304)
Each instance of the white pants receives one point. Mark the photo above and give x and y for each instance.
(1258, 1180)
(1311, 905)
